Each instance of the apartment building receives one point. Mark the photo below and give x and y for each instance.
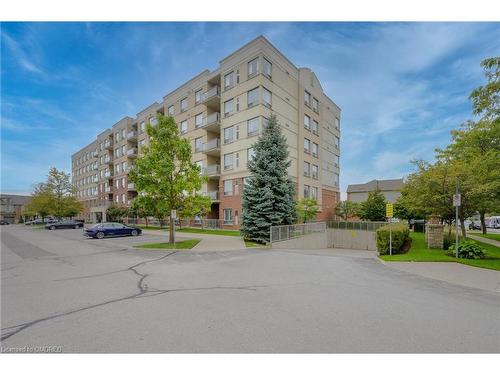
(222, 113)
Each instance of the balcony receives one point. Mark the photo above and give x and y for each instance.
(94, 154)
(211, 170)
(108, 174)
(132, 135)
(108, 145)
(213, 195)
(212, 123)
(212, 147)
(108, 160)
(132, 153)
(211, 98)
(107, 189)
(131, 186)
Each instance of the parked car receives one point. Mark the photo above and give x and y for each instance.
(65, 224)
(493, 222)
(102, 230)
(4, 222)
(34, 222)
(476, 224)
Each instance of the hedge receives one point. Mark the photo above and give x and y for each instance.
(401, 241)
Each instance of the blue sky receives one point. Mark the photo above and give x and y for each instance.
(401, 86)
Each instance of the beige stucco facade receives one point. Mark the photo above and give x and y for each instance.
(222, 113)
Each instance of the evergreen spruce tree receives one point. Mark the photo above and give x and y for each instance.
(268, 197)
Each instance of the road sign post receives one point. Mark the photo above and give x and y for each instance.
(457, 202)
(389, 213)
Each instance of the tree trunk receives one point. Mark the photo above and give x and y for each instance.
(462, 224)
(482, 218)
(171, 238)
(146, 220)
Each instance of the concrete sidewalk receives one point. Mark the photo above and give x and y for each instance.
(209, 242)
(451, 272)
(485, 240)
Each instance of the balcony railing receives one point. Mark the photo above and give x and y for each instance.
(132, 153)
(132, 135)
(213, 195)
(211, 169)
(214, 92)
(108, 144)
(131, 186)
(108, 174)
(108, 160)
(211, 145)
(107, 189)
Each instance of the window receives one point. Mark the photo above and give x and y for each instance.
(315, 150)
(228, 216)
(253, 97)
(267, 67)
(336, 160)
(123, 134)
(228, 161)
(184, 127)
(123, 198)
(142, 127)
(307, 169)
(314, 193)
(250, 153)
(315, 127)
(307, 145)
(253, 126)
(307, 189)
(253, 67)
(198, 144)
(314, 171)
(124, 148)
(198, 120)
(171, 110)
(307, 98)
(336, 179)
(198, 96)
(153, 121)
(229, 80)
(228, 134)
(228, 107)
(337, 141)
(184, 104)
(117, 183)
(228, 187)
(124, 166)
(117, 152)
(266, 97)
(117, 137)
(315, 105)
(337, 123)
(199, 163)
(307, 122)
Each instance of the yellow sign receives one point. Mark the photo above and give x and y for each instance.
(389, 210)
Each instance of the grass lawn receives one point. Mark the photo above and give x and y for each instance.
(491, 236)
(181, 245)
(220, 232)
(420, 253)
(249, 243)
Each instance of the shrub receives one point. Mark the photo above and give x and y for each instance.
(401, 241)
(448, 241)
(468, 250)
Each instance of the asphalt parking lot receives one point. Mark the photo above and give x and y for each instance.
(84, 295)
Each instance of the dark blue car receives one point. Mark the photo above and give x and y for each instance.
(102, 230)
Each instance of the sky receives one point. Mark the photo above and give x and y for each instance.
(401, 86)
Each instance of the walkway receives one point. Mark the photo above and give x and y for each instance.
(451, 272)
(485, 240)
(209, 242)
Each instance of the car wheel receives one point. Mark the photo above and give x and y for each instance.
(100, 235)
(134, 233)
(52, 227)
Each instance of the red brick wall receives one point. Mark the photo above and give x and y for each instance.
(231, 201)
(329, 201)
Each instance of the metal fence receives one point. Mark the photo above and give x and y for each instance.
(287, 232)
(356, 225)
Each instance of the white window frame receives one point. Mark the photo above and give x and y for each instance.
(230, 77)
(228, 188)
(251, 65)
(307, 122)
(251, 92)
(198, 96)
(228, 161)
(270, 102)
(228, 134)
(171, 110)
(184, 127)
(228, 219)
(265, 64)
(226, 103)
(184, 104)
(307, 149)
